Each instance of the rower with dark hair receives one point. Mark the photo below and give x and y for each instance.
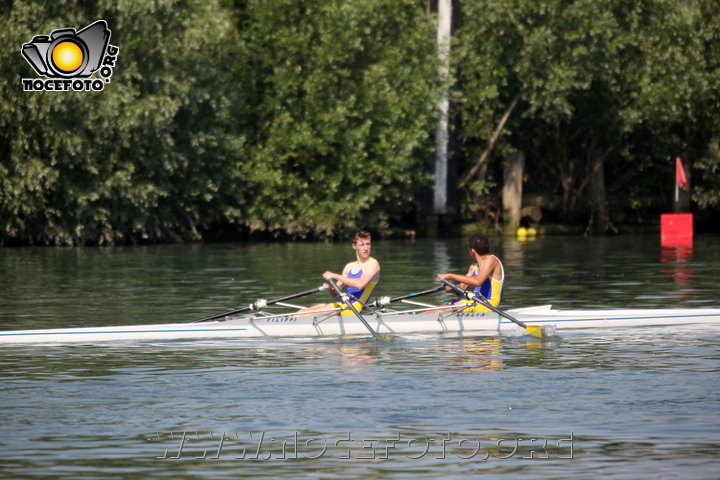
(360, 277)
(486, 275)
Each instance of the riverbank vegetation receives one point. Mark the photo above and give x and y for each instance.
(303, 119)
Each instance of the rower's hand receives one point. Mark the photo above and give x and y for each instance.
(327, 286)
(440, 277)
(329, 289)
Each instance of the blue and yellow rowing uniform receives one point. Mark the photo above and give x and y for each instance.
(361, 295)
(491, 289)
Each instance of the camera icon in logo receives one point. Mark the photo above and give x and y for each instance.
(67, 53)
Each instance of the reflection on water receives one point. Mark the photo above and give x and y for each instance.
(676, 254)
(513, 254)
(676, 260)
(481, 353)
(469, 353)
(441, 257)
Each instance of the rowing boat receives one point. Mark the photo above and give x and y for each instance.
(383, 321)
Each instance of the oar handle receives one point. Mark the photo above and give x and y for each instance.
(478, 297)
(348, 301)
(259, 303)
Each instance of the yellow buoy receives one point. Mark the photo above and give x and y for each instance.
(521, 233)
(531, 232)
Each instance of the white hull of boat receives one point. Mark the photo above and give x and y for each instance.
(264, 325)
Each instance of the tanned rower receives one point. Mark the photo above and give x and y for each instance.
(486, 275)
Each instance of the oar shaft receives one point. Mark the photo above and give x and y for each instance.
(257, 304)
(383, 301)
(485, 302)
(489, 305)
(348, 302)
(416, 294)
(296, 295)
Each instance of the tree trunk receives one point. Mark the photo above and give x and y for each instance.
(512, 191)
(599, 216)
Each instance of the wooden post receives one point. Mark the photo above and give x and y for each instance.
(600, 214)
(512, 191)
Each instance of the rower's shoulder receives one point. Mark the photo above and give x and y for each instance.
(487, 262)
(371, 265)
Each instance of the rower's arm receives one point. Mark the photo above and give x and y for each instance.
(462, 284)
(372, 268)
(467, 281)
(337, 278)
(463, 281)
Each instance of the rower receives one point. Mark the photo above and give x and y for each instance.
(486, 275)
(360, 277)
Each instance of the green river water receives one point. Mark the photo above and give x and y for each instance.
(618, 403)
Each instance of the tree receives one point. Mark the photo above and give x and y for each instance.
(291, 117)
(705, 130)
(143, 159)
(602, 88)
(345, 95)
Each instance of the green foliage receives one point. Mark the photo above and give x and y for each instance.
(345, 99)
(608, 83)
(306, 118)
(705, 102)
(142, 159)
(286, 117)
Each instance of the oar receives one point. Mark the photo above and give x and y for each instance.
(260, 303)
(534, 330)
(347, 301)
(382, 301)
